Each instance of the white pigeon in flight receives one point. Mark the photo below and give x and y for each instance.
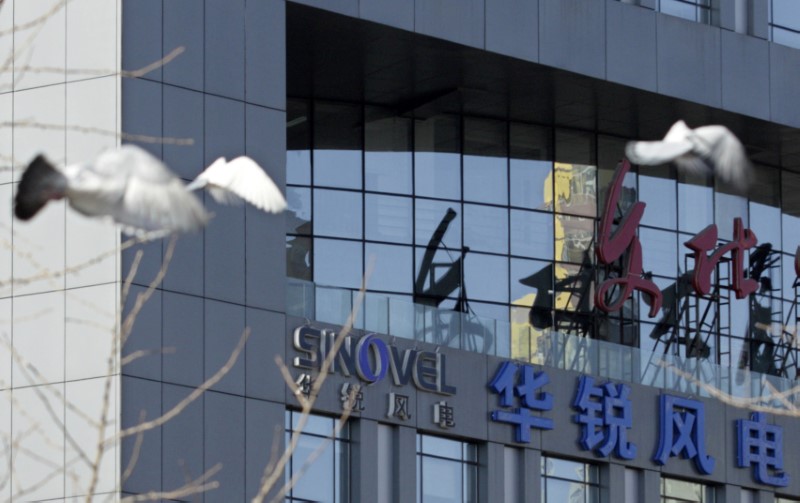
(240, 179)
(137, 191)
(707, 149)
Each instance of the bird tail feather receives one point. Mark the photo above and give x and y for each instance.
(40, 183)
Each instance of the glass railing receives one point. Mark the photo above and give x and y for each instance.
(404, 319)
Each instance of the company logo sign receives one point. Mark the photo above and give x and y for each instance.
(372, 360)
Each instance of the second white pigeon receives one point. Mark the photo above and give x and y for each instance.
(707, 149)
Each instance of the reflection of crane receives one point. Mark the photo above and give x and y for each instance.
(466, 330)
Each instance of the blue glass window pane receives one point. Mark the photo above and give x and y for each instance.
(485, 179)
(338, 213)
(388, 218)
(298, 212)
(486, 277)
(337, 263)
(485, 161)
(486, 228)
(317, 483)
(298, 167)
(387, 155)
(530, 181)
(695, 207)
(661, 199)
(438, 174)
(393, 267)
(337, 168)
(442, 277)
(338, 145)
(442, 447)
(659, 252)
(767, 224)
(529, 278)
(785, 37)
(441, 481)
(388, 172)
(437, 159)
(729, 207)
(532, 234)
(791, 233)
(429, 215)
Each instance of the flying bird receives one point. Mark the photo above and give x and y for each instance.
(137, 191)
(707, 149)
(240, 179)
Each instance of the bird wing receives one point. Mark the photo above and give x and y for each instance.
(727, 156)
(244, 178)
(652, 153)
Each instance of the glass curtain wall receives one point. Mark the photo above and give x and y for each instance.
(447, 470)
(498, 219)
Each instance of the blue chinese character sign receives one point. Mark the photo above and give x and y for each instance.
(682, 432)
(606, 416)
(521, 381)
(761, 445)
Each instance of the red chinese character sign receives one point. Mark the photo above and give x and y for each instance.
(611, 245)
(706, 240)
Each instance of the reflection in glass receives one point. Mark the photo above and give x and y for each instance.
(693, 10)
(532, 234)
(387, 156)
(298, 142)
(428, 219)
(574, 239)
(685, 491)
(564, 480)
(659, 251)
(330, 471)
(388, 218)
(486, 228)
(298, 211)
(695, 207)
(298, 257)
(659, 194)
(437, 159)
(485, 161)
(337, 263)
(530, 165)
(337, 145)
(486, 277)
(338, 213)
(446, 475)
(729, 207)
(392, 267)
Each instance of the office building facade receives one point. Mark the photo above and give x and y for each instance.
(463, 160)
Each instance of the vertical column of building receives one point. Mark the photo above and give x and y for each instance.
(224, 95)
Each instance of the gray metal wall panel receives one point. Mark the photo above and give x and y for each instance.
(264, 431)
(364, 464)
(759, 18)
(224, 50)
(263, 376)
(265, 46)
(405, 464)
(346, 7)
(460, 21)
(688, 60)
(265, 141)
(745, 75)
(184, 27)
(141, 397)
(141, 36)
(512, 28)
(569, 35)
(631, 45)
(224, 444)
(491, 479)
(784, 73)
(397, 13)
